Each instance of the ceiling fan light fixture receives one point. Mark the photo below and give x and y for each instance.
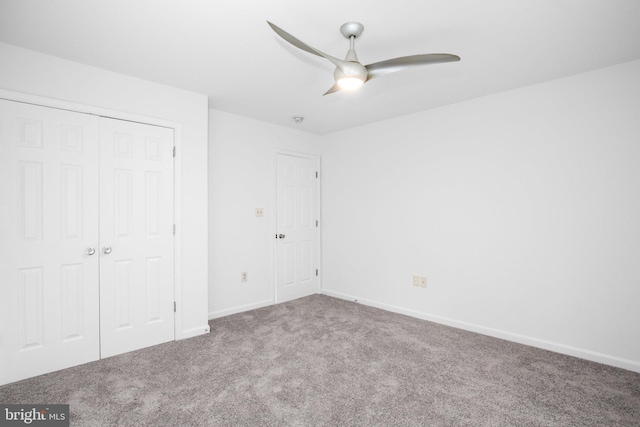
(349, 73)
(350, 83)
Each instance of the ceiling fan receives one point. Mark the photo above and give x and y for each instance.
(350, 74)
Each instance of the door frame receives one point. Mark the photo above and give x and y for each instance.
(274, 225)
(177, 172)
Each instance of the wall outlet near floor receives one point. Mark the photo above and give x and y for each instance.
(259, 212)
(243, 276)
(419, 281)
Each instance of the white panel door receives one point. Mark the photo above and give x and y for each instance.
(136, 236)
(297, 241)
(48, 219)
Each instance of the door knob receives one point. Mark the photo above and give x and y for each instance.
(281, 236)
(90, 251)
(106, 250)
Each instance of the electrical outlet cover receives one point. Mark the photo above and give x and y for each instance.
(423, 282)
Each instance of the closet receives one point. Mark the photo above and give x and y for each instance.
(86, 238)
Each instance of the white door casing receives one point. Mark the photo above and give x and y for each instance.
(136, 236)
(297, 235)
(48, 283)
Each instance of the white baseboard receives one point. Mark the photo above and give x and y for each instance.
(240, 309)
(521, 339)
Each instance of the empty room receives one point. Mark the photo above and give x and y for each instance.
(320, 213)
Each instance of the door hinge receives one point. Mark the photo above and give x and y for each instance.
(316, 223)
(174, 229)
(175, 307)
(316, 271)
(316, 174)
(174, 151)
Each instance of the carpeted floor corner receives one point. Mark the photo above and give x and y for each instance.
(322, 361)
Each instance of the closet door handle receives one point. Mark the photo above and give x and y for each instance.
(90, 251)
(106, 250)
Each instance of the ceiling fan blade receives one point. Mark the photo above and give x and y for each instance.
(301, 45)
(333, 89)
(398, 64)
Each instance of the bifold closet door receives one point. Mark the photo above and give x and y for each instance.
(48, 234)
(86, 238)
(136, 236)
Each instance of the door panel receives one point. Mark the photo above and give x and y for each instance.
(48, 284)
(66, 177)
(297, 252)
(136, 224)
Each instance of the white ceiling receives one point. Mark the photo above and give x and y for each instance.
(226, 50)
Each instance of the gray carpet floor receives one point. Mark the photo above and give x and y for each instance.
(322, 361)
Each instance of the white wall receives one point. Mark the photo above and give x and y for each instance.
(241, 179)
(522, 209)
(47, 76)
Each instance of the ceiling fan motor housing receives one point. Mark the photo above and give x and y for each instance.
(351, 69)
